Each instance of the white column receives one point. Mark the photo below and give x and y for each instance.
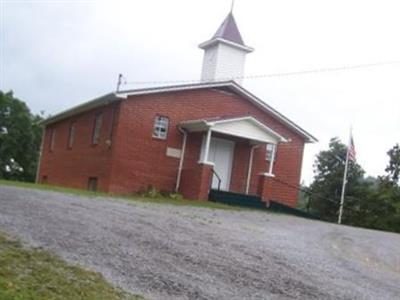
(207, 146)
(271, 163)
(37, 179)
(178, 179)
(344, 182)
(250, 168)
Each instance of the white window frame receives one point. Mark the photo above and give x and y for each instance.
(270, 150)
(160, 128)
(270, 156)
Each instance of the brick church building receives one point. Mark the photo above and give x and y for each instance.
(191, 138)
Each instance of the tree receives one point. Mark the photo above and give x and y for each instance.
(20, 138)
(369, 202)
(325, 191)
(393, 169)
(381, 207)
(382, 211)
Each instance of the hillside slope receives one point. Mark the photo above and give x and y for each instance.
(176, 252)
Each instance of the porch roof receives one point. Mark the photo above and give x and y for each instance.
(244, 127)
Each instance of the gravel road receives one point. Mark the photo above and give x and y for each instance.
(178, 252)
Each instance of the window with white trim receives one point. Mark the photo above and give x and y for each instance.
(270, 149)
(160, 129)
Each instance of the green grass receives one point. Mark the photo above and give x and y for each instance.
(157, 200)
(30, 274)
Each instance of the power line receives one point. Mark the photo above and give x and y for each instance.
(283, 74)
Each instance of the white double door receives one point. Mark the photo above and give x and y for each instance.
(221, 154)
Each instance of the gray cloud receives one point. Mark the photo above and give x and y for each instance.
(60, 53)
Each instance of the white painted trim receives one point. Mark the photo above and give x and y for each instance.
(230, 162)
(231, 158)
(97, 102)
(230, 168)
(272, 161)
(278, 115)
(203, 124)
(212, 42)
(208, 163)
(267, 174)
(207, 145)
(258, 123)
(37, 179)
(178, 178)
(240, 136)
(250, 168)
(174, 88)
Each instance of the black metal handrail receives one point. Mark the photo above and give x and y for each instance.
(219, 179)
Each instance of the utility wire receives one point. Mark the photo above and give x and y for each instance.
(284, 74)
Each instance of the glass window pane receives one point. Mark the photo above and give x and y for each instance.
(269, 151)
(160, 127)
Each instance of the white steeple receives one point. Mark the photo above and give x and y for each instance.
(225, 54)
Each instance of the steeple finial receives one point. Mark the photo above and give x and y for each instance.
(232, 5)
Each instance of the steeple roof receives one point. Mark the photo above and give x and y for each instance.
(229, 31)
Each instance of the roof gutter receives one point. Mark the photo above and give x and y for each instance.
(111, 97)
(102, 100)
(310, 138)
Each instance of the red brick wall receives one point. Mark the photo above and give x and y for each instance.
(288, 170)
(240, 166)
(140, 160)
(196, 182)
(137, 160)
(73, 167)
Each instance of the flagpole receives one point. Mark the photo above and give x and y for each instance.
(346, 166)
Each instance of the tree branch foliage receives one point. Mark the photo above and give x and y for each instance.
(369, 202)
(20, 137)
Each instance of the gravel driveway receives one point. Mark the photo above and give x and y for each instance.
(178, 252)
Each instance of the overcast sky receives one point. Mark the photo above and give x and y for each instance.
(56, 54)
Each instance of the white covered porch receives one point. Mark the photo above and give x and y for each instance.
(218, 146)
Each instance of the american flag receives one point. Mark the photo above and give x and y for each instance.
(352, 150)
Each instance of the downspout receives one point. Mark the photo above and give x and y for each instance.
(40, 156)
(178, 178)
(250, 167)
